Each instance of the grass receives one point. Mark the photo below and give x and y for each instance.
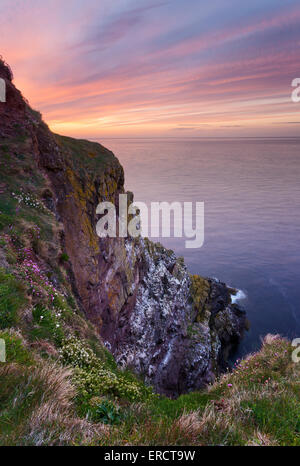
(16, 351)
(250, 406)
(85, 155)
(36, 408)
(21, 186)
(278, 417)
(12, 299)
(257, 404)
(47, 325)
(171, 409)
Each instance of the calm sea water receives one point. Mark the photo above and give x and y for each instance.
(251, 191)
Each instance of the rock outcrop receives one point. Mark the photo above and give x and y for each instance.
(174, 329)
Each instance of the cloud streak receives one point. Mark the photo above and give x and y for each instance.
(118, 68)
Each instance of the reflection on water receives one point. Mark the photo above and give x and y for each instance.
(251, 190)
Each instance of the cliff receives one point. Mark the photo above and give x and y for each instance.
(66, 297)
(174, 329)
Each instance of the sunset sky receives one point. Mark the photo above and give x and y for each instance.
(152, 68)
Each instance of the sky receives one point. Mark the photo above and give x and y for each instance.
(156, 68)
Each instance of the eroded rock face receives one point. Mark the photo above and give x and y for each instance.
(152, 339)
(175, 329)
(178, 342)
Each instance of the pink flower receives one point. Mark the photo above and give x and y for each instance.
(229, 385)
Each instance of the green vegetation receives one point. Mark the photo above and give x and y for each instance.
(257, 404)
(85, 155)
(16, 352)
(47, 325)
(104, 411)
(12, 298)
(93, 377)
(64, 257)
(61, 386)
(279, 417)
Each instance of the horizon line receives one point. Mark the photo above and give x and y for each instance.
(200, 137)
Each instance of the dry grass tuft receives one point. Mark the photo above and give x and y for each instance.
(42, 410)
(53, 421)
(262, 440)
(188, 425)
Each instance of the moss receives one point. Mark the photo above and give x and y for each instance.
(81, 197)
(200, 289)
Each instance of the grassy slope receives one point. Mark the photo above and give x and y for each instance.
(60, 385)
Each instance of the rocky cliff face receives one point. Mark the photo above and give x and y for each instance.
(174, 329)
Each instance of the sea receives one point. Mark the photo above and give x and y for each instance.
(251, 193)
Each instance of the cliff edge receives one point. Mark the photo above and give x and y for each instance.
(174, 329)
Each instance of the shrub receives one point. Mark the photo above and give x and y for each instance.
(76, 354)
(93, 378)
(104, 382)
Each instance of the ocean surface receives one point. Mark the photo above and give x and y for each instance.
(251, 191)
